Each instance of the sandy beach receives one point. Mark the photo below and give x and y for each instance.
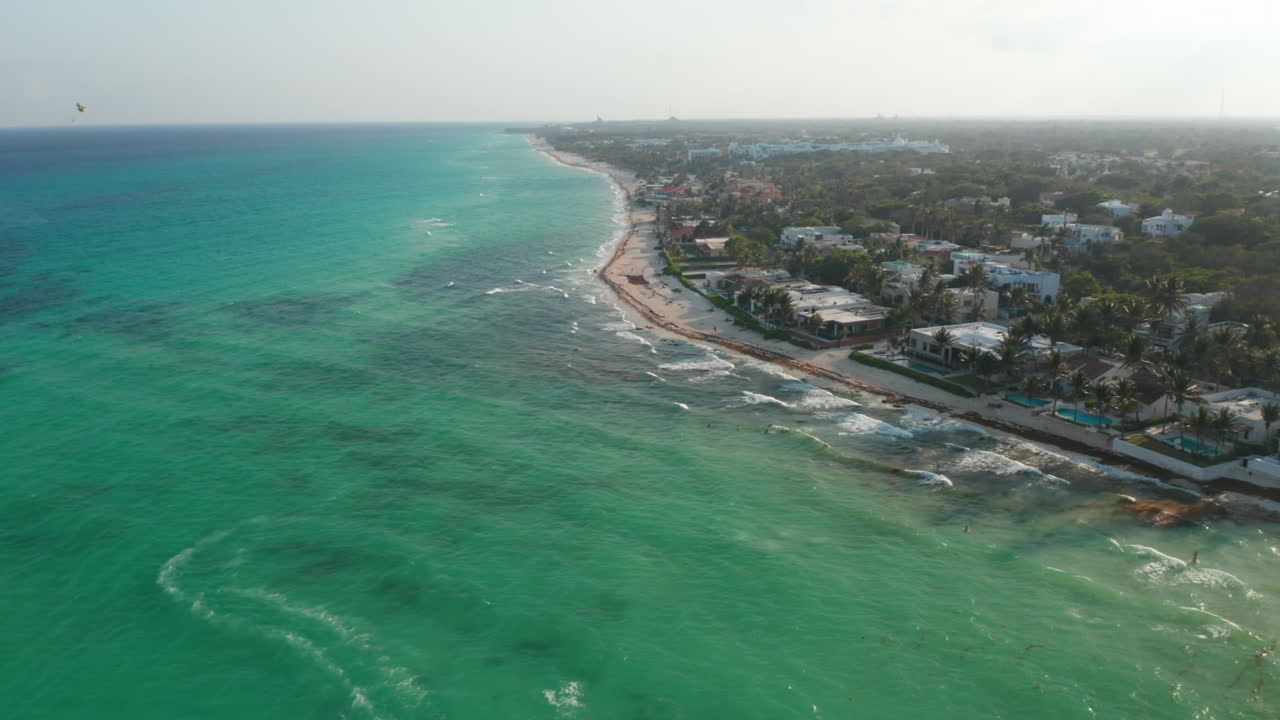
(660, 302)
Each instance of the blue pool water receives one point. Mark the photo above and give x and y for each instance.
(1190, 444)
(926, 369)
(1025, 401)
(1084, 417)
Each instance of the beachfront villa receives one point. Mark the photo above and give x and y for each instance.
(1245, 405)
(982, 335)
(1167, 223)
(937, 250)
(835, 314)
(1168, 333)
(1081, 237)
(1039, 284)
(1059, 220)
(793, 236)
(712, 247)
(1117, 208)
(984, 301)
(1004, 277)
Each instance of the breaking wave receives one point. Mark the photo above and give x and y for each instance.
(750, 398)
(707, 362)
(930, 479)
(984, 461)
(859, 424)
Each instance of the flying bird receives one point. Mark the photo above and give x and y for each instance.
(80, 107)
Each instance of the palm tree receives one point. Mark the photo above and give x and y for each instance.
(1056, 368)
(1030, 387)
(985, 365)
(1135, 351)
(782, 307)
(1261, 333)
(1031, 256)
(1200, 423)
(1018, 297)
(1102, 394)
(1078, 382)
(974, 277)
(1225, 425)
(1177, 387)
(979, 309)
(1227, 344)
(945, 339)
(1055, 325)
(968, 356)
(1167, 294)
(816, 321)
(1012, 353)
(1124, 397)
(948, 304)
(1270, 414)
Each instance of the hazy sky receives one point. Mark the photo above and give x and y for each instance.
(169, 61)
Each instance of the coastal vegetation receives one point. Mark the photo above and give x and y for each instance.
(1139, 307)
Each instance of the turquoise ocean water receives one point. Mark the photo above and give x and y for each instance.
(335, 422)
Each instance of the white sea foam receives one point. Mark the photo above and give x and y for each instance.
(618, 326)
(655, 376)
(922, 420)
(399, 679)
(984, 461)
(567, 699)
(590, 299)
(1168, 570)
(859, 424)
(815, 398)
(750, 398)
(707, 362)
(932, 479)
(711, 375)
(625, 335)
(494, 291)
(680, 405)
(1090, 465)
(779, 429)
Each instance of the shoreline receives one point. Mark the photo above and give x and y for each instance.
(633, 269)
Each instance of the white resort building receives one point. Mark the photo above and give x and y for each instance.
(1057, 221)
(982, 335)
(829, 234)
(1117, 208)
(1040, 284)
(1167, 223)
(1245, 404)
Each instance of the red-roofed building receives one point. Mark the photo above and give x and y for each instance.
(751, 189)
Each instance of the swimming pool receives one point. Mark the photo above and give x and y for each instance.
(1024, 401)
(926, 369)
(1084, 418)
(1192, 445)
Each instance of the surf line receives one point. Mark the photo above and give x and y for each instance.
(622, 291)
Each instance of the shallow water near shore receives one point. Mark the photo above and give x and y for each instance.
(336, 422)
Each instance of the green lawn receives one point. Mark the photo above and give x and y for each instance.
(1149, 443)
